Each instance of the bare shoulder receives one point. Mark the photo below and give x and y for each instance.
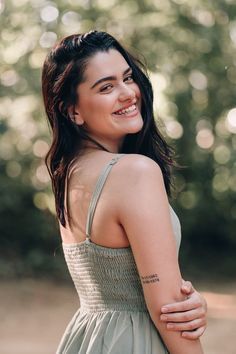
(139, 161)
(139, 181)
(138, 169)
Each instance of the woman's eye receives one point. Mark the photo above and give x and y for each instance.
(106, 88)
(129, 78)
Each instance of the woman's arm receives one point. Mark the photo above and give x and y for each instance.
(144, 213)
(188, 316)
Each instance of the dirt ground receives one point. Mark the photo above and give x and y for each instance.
(33, 316)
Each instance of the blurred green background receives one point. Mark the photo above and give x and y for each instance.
(189, 48)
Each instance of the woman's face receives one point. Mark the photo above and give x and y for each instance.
(109, 101)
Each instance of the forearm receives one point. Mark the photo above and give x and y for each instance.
(188, 316)
(174, 342)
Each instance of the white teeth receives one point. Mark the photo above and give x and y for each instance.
(127, 110)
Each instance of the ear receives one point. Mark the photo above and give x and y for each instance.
(75, 115)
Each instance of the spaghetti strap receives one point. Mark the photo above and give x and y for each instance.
(97, 192)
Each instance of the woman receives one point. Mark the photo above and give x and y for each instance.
(107, 155)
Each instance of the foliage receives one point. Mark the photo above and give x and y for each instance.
(189, 49)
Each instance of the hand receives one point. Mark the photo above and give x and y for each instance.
(188, 316)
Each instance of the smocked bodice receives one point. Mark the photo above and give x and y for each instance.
(105, 279)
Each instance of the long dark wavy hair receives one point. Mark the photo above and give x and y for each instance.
(63, 71)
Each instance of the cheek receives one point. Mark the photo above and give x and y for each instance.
(105, 103)
(98, 106)
(88, 105)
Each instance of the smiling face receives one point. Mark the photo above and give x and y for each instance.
(109, 101)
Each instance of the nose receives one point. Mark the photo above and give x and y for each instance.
(127, 93)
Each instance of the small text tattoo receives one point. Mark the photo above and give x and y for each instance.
(148, 279)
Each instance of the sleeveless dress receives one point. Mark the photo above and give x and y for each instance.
(113, 317)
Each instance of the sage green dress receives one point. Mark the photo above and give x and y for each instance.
(113, 317)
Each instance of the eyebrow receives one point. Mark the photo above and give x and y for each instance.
(107, 78)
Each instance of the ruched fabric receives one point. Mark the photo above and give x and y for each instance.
(113, 317)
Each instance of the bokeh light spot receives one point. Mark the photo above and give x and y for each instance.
(2, 6)
(71, 18)
(222, 129)
(205, 138)
(188, 199)
(204, 17)
(24, 145)
(222, 154)
(44, 201)
(198, 80)
(232, 31)
(174, 129)
(220, 183)
(40, 148)
(9, 78)
(48, 39)
(40, 200)
(204, 123)
(49, 13)
(42, 174)
(13, 169)
(231, 120)
(36, 59)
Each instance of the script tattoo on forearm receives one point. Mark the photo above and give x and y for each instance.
(148, 279)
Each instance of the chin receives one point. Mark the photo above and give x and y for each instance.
(135, 128)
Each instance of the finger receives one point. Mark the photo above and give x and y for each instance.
(183, 316)
(187, 287)
(194, 334)
(189, 304)
(186, 326)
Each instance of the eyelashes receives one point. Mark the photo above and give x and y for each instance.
(108, 87)
(129, 78)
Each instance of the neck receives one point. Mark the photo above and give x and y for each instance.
(99, 144)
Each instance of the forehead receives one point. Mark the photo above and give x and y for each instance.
(104, 64)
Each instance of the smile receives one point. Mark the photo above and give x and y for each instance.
(127, 110)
